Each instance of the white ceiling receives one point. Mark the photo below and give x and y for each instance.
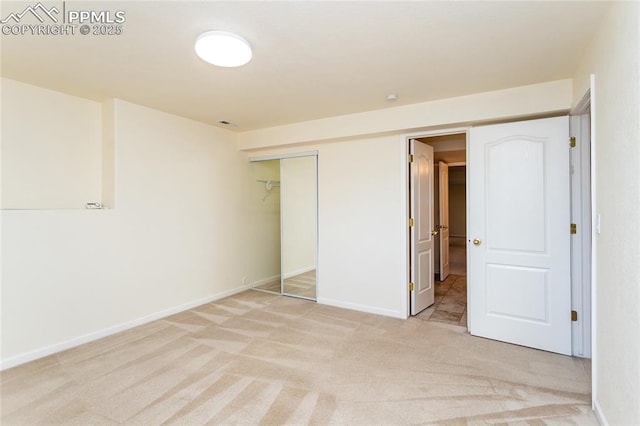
(312, 59)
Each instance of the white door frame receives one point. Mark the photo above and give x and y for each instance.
(404, 199)
(591, 226)
(581, 215)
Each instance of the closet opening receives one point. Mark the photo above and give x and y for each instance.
(284, 219)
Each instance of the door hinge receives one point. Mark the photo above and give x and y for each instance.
(572, 141)
(411, 158)
(574, 316)
(574, 228)
(411, 286)
(410, 222)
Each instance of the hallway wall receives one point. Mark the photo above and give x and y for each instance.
(457, 202)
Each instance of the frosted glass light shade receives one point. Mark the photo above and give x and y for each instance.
(223, 49)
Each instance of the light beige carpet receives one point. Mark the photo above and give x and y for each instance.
(303, 285)
(260, 358)
(273, 286)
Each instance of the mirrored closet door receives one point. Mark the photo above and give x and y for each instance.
(265, 203)
(285, 222)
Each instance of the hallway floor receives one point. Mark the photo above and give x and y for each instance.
(450, 304)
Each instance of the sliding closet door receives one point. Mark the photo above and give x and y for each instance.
(265, 203)
(298, 210)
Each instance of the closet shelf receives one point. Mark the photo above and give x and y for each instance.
(270, 184)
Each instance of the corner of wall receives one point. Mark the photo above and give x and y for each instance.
(108, 153)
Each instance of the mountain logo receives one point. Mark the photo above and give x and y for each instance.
(39, 11)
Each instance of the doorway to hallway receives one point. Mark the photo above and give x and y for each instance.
(450, 305)
(448, 203)
(497, 187)
(458, 255)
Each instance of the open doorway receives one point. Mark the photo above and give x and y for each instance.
(450, 248)
(487, 236)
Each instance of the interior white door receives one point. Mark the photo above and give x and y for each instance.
(443, 201)
(422, 238)
(519, 236)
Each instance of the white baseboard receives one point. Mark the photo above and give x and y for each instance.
(361, 308)
(599, 414)
(90, 337)
(299, 271)
(264, 281)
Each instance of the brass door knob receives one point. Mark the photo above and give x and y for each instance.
(476, 241)
(434, 232)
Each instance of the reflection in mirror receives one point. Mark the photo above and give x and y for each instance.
(298, 209)
(266, 221)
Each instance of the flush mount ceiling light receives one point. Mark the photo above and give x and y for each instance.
(223, 49)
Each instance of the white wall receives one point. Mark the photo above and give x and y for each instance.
(360, 223)
(525, 101)
(613, 58)
(51, 148)
(298, 209)
(109, 177)
(177, 233)
(362, 258)
(177, 237)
